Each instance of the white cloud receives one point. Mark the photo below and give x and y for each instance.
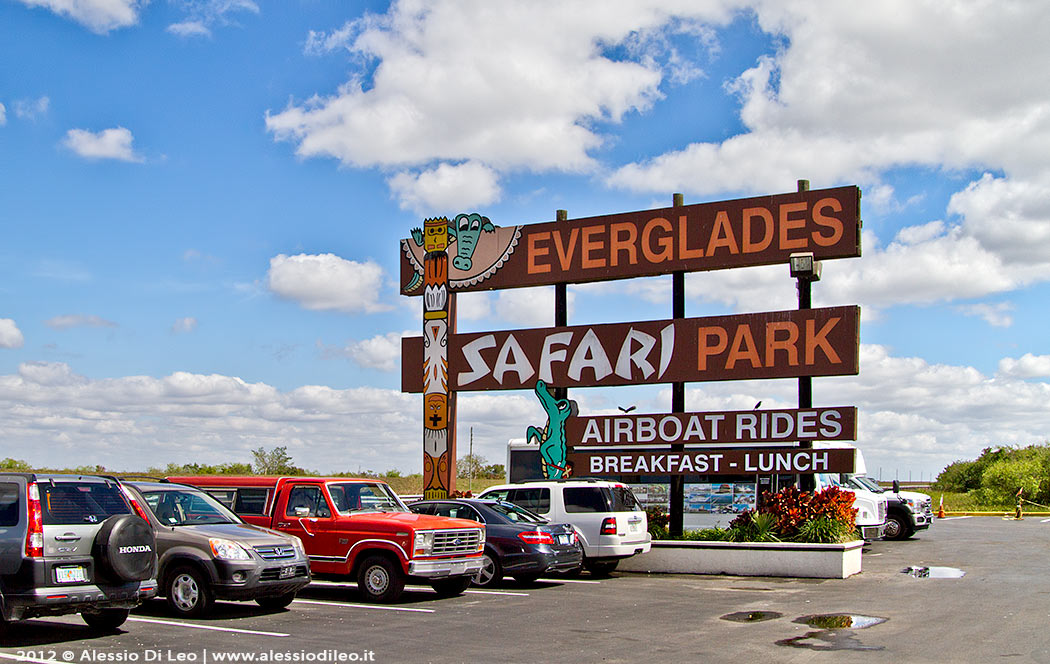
(521, 89)
(26, 109)
(327, 282)
(381, 352)
(996, 315)
(203, 15)
(112, 143)
(99, 16)
(1027, 366)
(184, 325)
(189, 29)
(446, 187)
(77, 320)
(935, 414)
(3, 115)
(10, 335)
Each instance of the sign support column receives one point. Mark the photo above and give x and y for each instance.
(676, 491)
(439, 461)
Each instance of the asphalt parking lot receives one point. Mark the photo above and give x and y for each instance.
(998, 610)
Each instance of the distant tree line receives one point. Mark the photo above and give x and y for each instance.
(996, 476)
(269, 462)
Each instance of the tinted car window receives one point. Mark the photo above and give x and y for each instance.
(516, 514)
(250, 501)
(9, 505)
(586, 499)
(66, 504)
(308, 497)
(534, 499)
(623, 500)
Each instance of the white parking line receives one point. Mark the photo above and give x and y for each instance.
(496, 592)
(211, 627)
(1045, 521)
(954, 518)
(377, 607)
(567, 581)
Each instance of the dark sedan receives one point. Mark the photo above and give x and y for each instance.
(518, 543)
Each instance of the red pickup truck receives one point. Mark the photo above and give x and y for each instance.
(357, 528)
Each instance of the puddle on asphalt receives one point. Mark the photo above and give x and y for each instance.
(933, 572)
(834, 633)
(752, 616)
(840, 621)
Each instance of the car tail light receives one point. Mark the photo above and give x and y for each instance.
(536, 537)
(134, 503)
(609, 526)
(35, 532)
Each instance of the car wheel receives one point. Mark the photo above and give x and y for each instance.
(526, 579)
(105, 619)
(188, 592)
(491, 571)
(380, 579)
(451, 586)
(274, 602)
(895, 528)
(600, 567)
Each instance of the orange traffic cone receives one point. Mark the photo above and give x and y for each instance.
(940, 510)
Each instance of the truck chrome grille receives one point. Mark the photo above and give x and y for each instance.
(448, 542)
(882, 510)
(276, 551)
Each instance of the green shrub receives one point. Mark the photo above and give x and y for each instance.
(825, 530)
(754, 527)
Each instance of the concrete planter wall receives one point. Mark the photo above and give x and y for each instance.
(821, 561)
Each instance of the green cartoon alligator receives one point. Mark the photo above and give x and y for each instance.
(553, 447)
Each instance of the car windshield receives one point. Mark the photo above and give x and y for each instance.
(866, 483)
(350, 497)
(829, 479)
(512, 512)
(187, 507)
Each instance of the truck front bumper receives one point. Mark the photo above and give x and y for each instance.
(872, 532)
(437, 569)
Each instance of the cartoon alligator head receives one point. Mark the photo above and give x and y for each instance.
(553, 445)
(467, 229)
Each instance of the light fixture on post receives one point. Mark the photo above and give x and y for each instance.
(805, 270)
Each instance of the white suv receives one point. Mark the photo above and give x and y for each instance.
(610, 522)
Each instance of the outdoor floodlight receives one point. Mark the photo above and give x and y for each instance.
(804, 267)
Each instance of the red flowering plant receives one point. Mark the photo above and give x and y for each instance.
(824, 516)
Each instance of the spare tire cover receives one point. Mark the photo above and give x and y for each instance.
(125, 548)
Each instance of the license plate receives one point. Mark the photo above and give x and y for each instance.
(564, 540)
(287, 572)
(635, 527)
(457, 568)
(76, 574)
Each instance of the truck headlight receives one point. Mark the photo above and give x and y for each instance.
(228, 550)
(423, 545)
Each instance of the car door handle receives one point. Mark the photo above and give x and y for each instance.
(68, 537)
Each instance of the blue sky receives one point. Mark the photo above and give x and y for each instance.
(203, 201)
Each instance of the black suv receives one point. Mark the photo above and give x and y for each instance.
(72, 544)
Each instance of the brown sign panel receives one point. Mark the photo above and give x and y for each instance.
(724, 461)
(742, 426)
(690, 238)
(781, 344)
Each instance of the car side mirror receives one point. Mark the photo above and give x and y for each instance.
(896, 486)
(301, 511)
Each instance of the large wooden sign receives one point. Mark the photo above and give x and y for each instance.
(727, 461)
(713, 428)
(782, 344)
(706, 236)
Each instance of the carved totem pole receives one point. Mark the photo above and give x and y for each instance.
(438, 434)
